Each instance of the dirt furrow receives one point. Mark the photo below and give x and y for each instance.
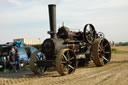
(116, 72)
(80, 75)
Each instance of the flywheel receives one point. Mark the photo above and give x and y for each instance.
(89, 33)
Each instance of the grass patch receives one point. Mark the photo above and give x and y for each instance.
(115, 50)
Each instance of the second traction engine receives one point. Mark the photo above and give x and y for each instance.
(66, 49)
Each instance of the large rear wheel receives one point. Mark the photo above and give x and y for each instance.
(101, 52)
(65, 62)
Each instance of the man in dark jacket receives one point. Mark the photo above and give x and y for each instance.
(17, 57)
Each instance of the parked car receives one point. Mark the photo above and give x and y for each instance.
(24, 54)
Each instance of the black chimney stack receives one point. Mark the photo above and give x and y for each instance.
(52, 19)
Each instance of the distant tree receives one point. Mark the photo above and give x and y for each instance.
(122, 44)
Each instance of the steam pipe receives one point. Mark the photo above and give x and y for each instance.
(52, 20)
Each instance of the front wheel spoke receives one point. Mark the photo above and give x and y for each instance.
(71, 67)
(65, 57)
(65, 68)
(67, 53)
(63, 62)
(71, 59)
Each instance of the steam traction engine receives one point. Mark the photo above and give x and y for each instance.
(66, 49)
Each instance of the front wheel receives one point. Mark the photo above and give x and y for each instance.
(65, 62)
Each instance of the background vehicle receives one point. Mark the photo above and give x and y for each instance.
(29, 50)
(24, 54)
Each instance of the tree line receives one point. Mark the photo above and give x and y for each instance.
(122, 44)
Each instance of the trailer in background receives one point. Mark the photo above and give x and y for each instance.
(29, 41)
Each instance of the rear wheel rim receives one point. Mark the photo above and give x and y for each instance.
(101, 51)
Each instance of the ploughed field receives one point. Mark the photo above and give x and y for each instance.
(114, 73)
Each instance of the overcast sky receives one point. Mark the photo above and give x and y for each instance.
(29, 18)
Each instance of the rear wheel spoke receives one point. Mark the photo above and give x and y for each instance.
(105, 45)
(71, 59)
(68, 55)
(63, 62)
(101, 51)
(100, 47)
(107, 52)
(105, 58)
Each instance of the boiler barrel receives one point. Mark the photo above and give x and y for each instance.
(51, 47)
